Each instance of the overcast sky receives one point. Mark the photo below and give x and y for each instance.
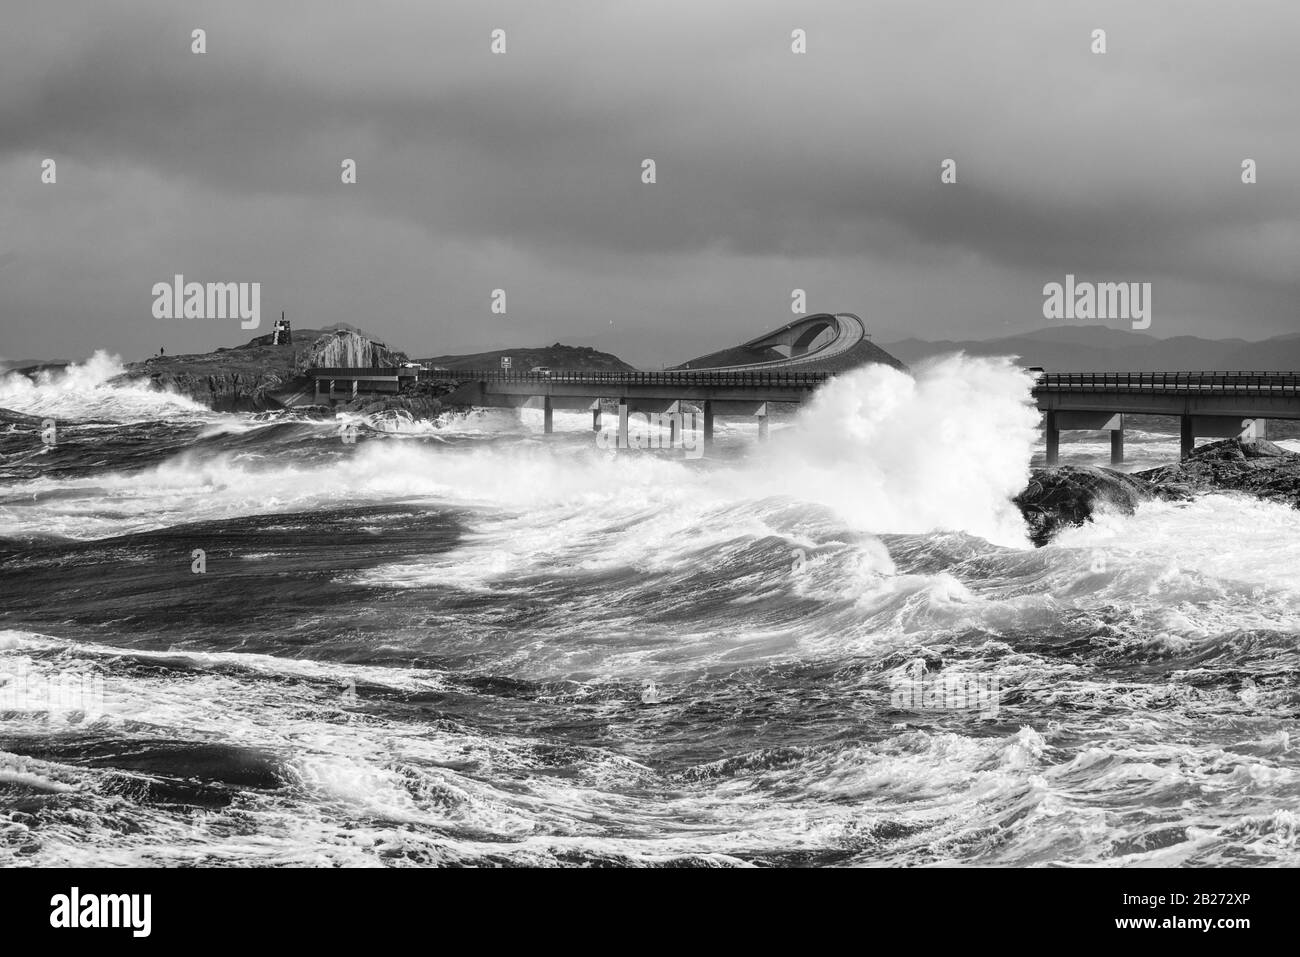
(523, 171)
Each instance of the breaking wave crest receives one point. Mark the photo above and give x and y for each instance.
(88, 391)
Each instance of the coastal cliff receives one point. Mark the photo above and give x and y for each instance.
(346, 348)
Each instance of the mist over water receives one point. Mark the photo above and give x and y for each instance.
(467, 642)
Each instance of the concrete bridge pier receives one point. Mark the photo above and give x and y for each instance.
(655, 407)
(1057, 422)
(1216, 427)
(674, 425)
(745, 391)
(762, 422)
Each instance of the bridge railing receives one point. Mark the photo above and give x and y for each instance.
(1232, 383)
(789, 380)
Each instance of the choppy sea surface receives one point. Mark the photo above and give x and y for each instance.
(243, 640)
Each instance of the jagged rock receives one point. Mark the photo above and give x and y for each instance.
(419, 406)
(1069, 494)
(223, 391)
(253, 377)
(347, 349)
(1254, 466)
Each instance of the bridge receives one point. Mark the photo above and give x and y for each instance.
(811, 349)
(713, 391)
(1207, 404)
(822, 342)
(333, 384)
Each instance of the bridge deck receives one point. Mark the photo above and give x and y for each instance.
(499, 388)
(802, 380)
(1264, 395)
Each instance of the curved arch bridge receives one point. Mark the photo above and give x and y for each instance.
(811, 349)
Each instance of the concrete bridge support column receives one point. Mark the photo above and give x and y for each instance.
(762, 423)
(673, 416)
(548, 416)
(1217, 427)
(622, 424)
(1053, 435)
(595, 416)
(1069, 420)
(707, 407)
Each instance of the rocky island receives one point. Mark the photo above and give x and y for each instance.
(261, 374)
(265, 375)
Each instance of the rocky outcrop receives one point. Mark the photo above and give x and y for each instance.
(1069, 495)
(418, 406)
(224, 391)
(1254, 466)
(255, 376)
(425, 399)
(345, 348)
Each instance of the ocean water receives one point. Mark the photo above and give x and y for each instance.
(241, 640)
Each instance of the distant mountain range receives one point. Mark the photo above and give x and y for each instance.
(1105, 349)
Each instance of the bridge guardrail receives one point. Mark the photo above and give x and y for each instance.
(1233, 383)
(792, 380)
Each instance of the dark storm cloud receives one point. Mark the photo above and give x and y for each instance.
(1124, 165)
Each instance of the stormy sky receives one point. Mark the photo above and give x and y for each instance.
(522, 171)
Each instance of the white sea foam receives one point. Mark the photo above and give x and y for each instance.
(83, 391)
(776, 556)
(884, 451)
